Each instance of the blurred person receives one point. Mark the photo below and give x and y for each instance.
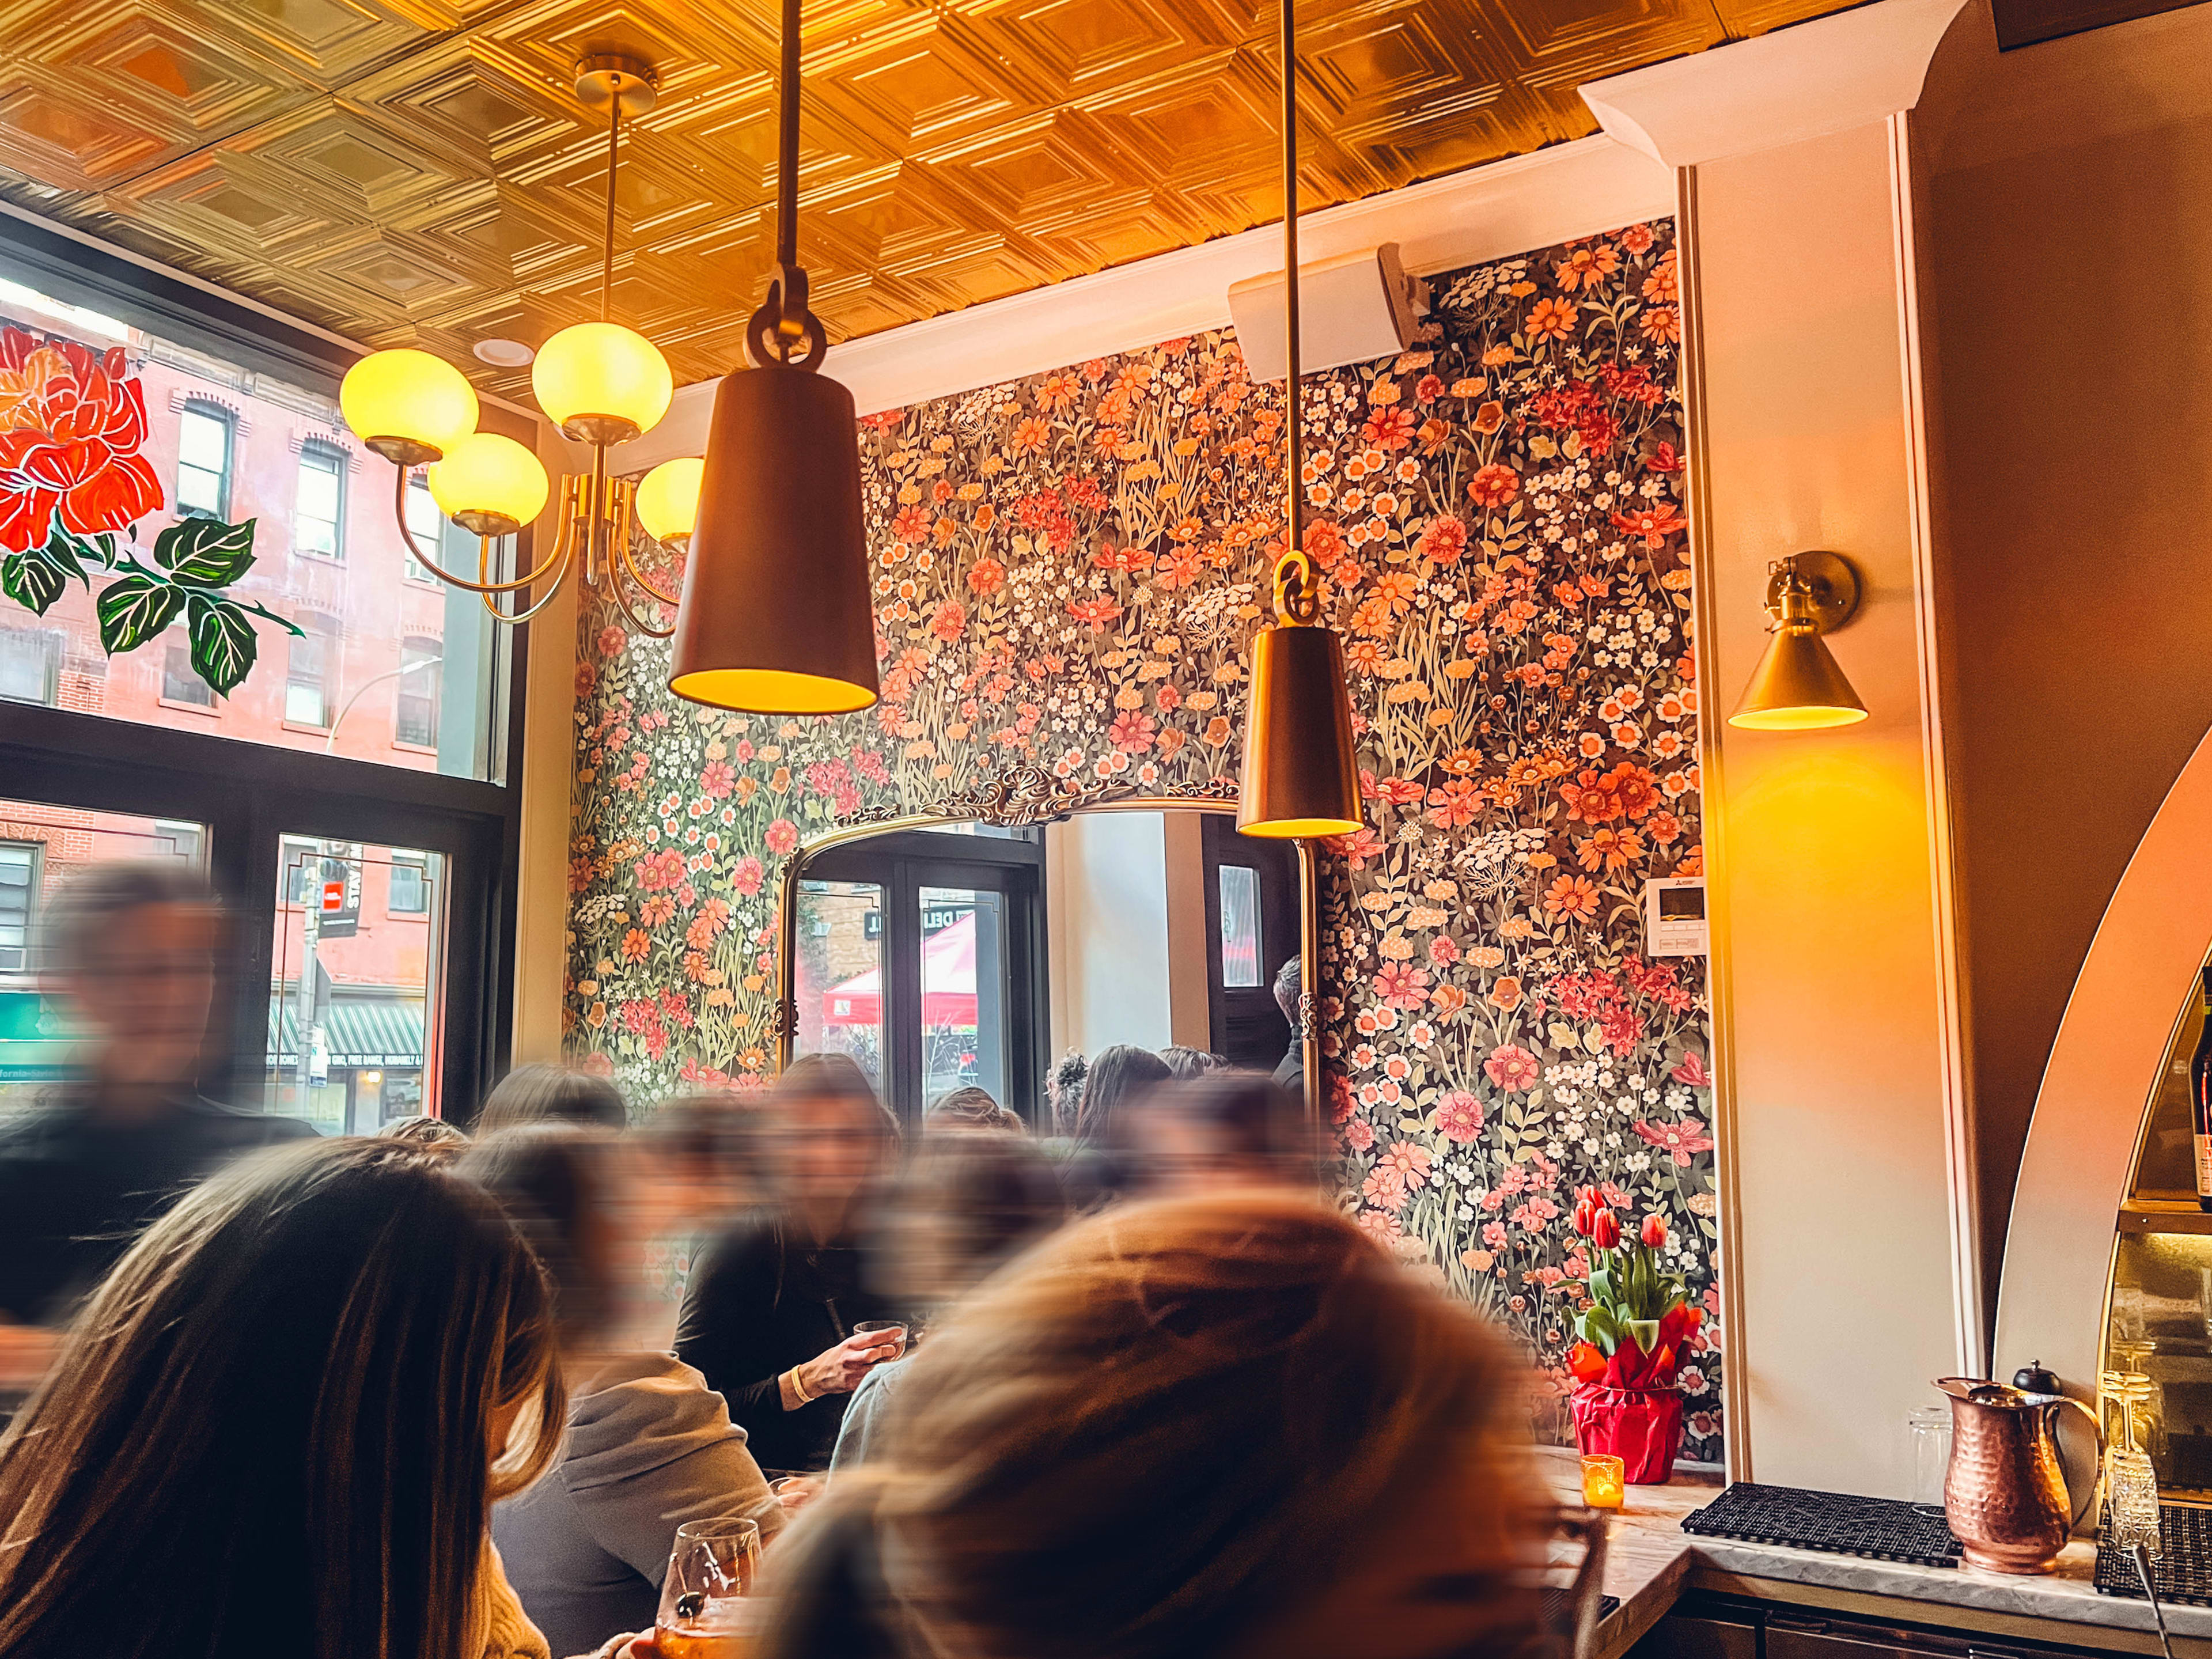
(1290, 989)
(128, 951)
(649, 1445)
(1094, 1166)
(277, 1427)
(567, 1094)
(430, 1134)
(1063, 1093)
(1230, 1427)
(970, 1108)
(770, 1311)
(1224, 1130)
(1184, 1064)
(965, 1205)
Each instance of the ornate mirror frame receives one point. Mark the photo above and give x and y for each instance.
(1021, 797)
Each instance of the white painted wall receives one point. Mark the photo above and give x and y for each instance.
(1128, 958)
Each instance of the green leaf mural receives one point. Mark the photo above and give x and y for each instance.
(223, 642)
(135, 609)
(206, 552)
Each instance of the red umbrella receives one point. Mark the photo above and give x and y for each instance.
(948, 984)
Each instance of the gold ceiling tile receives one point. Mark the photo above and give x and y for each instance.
(1759, 16)
(1564, 43)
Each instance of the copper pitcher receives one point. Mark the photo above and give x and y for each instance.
(2005, 1494)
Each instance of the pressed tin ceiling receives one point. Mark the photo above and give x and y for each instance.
(407, 171)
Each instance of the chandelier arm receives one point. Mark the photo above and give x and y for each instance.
(614, 590)
(430, 564)
(513, 619)
(629, 564)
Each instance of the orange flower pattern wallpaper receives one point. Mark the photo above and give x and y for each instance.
(1068, 571)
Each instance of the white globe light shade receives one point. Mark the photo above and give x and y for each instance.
(410, 396)
(492, 485)
(668, 498)
(607, 382)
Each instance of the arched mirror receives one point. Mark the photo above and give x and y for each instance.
(979, 946)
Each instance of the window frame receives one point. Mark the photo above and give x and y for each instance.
(322, 629)
(207, 408)
(38, 852)
(50, 639)
(341, 464)
(434, 697)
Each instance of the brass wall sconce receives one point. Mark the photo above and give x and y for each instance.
(1798, 686)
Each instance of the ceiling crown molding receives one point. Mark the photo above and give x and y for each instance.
(1487, 212)
(1827, 76)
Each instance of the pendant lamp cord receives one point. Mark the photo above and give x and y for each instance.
(786, 164)
(607, 254)
(1296, 597)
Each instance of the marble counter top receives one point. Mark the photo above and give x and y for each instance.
(1651, 1560)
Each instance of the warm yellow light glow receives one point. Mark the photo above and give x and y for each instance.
(409, 395)
(1298, 828)
(1795, 719)
(771, 691)
(491, 477)
(668, 498)
(605, 372)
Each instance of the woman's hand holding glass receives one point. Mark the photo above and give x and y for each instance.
(839, 1369)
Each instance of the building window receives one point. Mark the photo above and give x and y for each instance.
(19, 890)
(204, 445)
(319, 519)
(180, 681)
(410, 883)
(30, 664)
(415, 716)
(180, 841)
(308, 673)
(425, 525)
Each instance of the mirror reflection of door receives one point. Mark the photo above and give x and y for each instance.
(920, 953)
(1252, 930)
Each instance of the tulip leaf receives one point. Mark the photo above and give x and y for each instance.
(206, 552)
(135, 609)
(223, 643)
(1645, 1331)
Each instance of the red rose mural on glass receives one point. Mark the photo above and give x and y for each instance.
(73, 476)
(1067, 570)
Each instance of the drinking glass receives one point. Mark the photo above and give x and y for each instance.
(1930, 1429)
(704, 1610)
(891, 1330)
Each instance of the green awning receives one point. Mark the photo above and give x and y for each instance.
(34, 1045)
(359, 1034)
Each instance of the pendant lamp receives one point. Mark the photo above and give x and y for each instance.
(776, 618)
(1798, 686)
(1301, 778)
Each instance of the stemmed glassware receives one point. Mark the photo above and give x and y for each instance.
(705, 1608)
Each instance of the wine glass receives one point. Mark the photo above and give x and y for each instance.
(704, 1610)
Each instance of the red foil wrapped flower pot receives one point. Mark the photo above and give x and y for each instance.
(1642, 1427)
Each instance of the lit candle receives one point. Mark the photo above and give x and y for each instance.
(1604, 1483)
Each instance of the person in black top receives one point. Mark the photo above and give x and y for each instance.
(129, 951)
(1290, 1069)
(769, 1310)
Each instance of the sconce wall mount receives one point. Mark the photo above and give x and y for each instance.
(1798, 686)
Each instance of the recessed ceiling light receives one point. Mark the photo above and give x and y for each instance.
(504, 354)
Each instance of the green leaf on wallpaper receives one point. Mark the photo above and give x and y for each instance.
(206, 552)
(34, 579)
(223, 643)
(135, 609)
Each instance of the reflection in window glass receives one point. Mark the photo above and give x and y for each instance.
(204, 436)
(963, 1013)
(319, 514)
(306, 675)
(180, 681)
(411, 884)
(425, 524)
(1240, 926)
(19, 883)
(354, 999)
(838, 977)
(415, 709)
(30, 663)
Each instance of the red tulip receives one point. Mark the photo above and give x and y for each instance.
(1654, 1232)
(1585, 1208)
(1605, 1229)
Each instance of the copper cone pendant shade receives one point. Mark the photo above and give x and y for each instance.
(1300, 776)
(1798, 686)
(776, 617)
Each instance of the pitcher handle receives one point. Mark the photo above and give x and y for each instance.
(2097, 1428)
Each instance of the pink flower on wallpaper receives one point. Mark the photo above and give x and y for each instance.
(1356, 849)
(1359, 1135)
(948, 620)
(1413, 1162)
(612, 641)
(1096, 612)
(1459, 1116)
(1385, 1188)
(1494, 1235)
(1442, 952)
(1494, 485)
(1512, 1067)
(718, 779)
(782, 838)
(1400, 985)
(746, 875)
(1681, 1139)
(1691, 1072)
(1445, 539)
(1133, 732)
(1381, 1226)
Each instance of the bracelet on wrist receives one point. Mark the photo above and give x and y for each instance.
(799, 1387)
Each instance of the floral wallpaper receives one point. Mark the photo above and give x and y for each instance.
(1068, 571)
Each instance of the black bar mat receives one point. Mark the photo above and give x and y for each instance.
(1879, 1528)
(2182, 1571)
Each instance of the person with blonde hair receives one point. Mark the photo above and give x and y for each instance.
(278, 1426)
(1230, 1427)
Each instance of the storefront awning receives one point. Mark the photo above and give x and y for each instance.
(359, 1034)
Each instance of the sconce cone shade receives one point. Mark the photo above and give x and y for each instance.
(1798, 686)
(775, 618)
(1301, 778)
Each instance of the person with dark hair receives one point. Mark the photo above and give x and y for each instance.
(1119, 1075)
(1289, 988)
(772, 1310)
(1063, 1092)
(970, 1108)
(129, 951)
(279, 1425)
(1184, 1064)
(1230, 1427)
(1224, 1130)
(649, 1445)
(963, 1207)
(431, 1135)
(561, 1093)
